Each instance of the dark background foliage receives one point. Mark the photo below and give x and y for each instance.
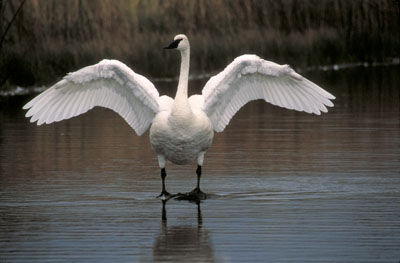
(41, 40)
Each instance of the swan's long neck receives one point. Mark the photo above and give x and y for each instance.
(182, 91)
(181, 105)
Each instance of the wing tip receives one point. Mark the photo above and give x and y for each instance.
(27, 106)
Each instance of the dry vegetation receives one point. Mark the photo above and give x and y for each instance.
(51, 37)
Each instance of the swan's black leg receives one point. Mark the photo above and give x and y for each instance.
(164, 194)
(198, 172)
(197, 192)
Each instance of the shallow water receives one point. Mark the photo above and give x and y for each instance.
(284, 186)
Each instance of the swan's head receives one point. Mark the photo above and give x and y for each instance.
(180, 42)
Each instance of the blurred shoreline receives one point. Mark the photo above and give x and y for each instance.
(21, 91)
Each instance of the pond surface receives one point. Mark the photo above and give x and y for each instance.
(285, 186)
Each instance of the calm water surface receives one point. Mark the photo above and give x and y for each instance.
(285, 186)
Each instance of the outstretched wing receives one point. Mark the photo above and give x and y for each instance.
(110, 84)
(249, 78)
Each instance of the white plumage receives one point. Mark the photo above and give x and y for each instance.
(182, 128)
(110, 84)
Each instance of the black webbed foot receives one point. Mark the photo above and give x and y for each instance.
(194, 196)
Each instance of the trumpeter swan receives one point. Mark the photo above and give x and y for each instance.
(182, 129)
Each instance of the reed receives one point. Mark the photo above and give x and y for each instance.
(50, 37)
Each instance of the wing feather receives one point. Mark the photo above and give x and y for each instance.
(249, 78)
(285, 92)
(110, 84)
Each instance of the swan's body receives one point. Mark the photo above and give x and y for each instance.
(182, 128)
(183, 132)
(179, 138)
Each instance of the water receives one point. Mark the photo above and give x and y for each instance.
(285, 186)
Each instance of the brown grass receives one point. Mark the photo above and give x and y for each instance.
(51, 37)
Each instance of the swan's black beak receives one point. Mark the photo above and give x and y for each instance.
(174, 44)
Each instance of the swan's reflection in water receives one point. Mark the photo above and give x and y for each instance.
(183, 243)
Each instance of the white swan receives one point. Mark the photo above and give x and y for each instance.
(182, 129)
